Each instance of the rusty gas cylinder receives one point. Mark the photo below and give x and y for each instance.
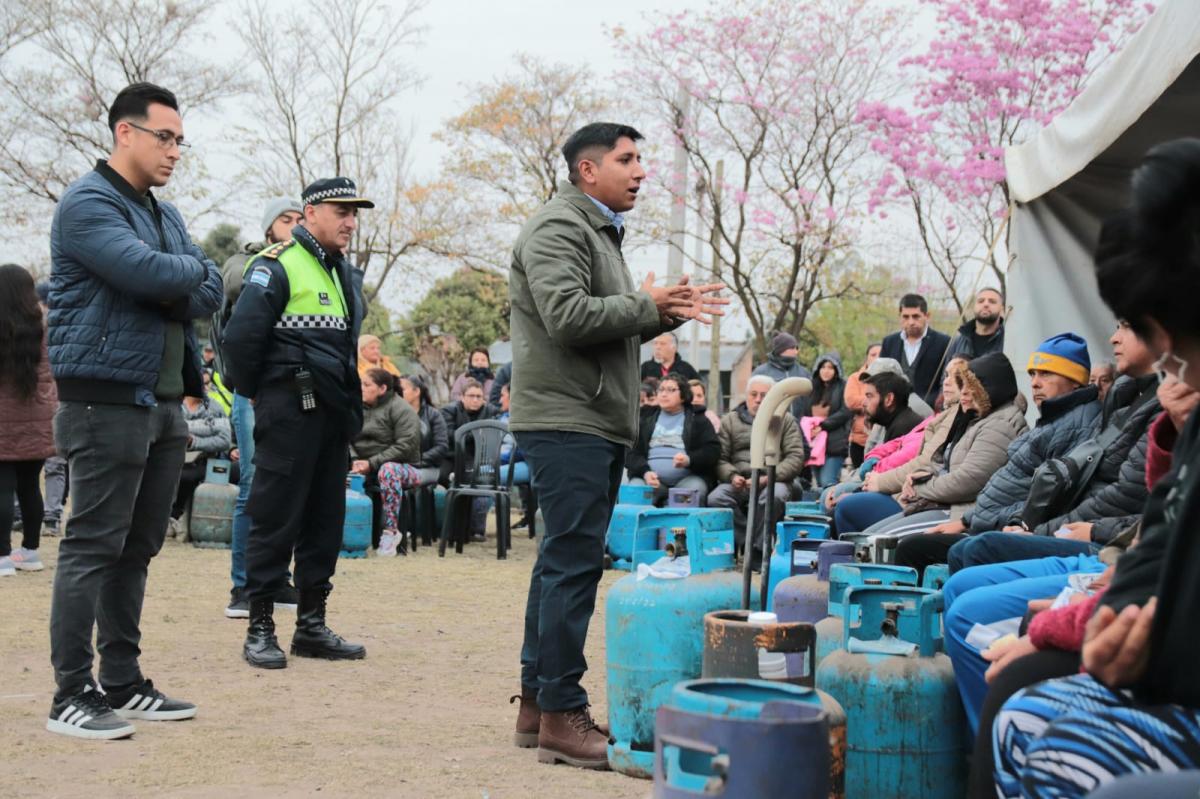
(731, 646)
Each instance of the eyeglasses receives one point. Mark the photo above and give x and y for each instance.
(668, 390)
(165, 137)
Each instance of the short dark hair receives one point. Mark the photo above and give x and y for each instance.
(134, 102)
(597, 135)
(685, 390)
(471, 383)
(891, 383)
(994, 290)
(914, 301)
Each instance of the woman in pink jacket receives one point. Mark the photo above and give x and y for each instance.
(28, 399)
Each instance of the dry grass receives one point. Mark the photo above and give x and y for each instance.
(425, 715)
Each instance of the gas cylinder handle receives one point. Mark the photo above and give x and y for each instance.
(932, 607)
(891, 599)
(767, 430)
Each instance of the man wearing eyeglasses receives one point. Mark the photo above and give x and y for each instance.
(126, 282)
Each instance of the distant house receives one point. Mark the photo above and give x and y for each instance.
(737, 361)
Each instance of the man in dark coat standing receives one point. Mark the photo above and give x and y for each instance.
(920, 350)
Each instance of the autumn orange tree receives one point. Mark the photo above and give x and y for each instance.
(505, 149)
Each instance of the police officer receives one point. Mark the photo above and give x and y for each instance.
(290, 345)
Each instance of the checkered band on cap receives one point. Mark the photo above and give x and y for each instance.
(337, 189)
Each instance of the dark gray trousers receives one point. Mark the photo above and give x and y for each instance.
(577, 476)
(124, 465)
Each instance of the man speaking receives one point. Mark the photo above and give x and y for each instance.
(577, 323)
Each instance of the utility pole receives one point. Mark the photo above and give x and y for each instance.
(714, 353)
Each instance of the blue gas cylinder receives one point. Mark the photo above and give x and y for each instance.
(635, 495)
(356, 532)
(654, 632)
(637, 528)
(805, 595)
(843, 576)
(935, 576)
(904, 720)
(793, 510)
(741, 738)
(786, 532)
(210, 521)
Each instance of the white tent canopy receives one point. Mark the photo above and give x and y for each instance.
(1075, 172)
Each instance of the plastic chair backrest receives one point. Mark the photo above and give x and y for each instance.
(483, 471)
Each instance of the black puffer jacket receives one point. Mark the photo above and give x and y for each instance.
(456, 416)
(837, 423)
(435, 441)
(1166, 564)
(1065, 422)
(1117, 493)
(699, 440)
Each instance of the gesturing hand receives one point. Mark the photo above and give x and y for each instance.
(1116, 646)
(685, 301)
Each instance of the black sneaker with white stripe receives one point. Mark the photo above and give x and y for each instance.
(146, 702)
(87, 715)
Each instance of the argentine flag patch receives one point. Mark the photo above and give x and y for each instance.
(260, 276)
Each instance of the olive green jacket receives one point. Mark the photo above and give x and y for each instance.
(577, 323)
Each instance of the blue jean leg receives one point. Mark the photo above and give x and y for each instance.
(520, 471)
(831, 471)
(998, 547)
(986, 605)
(998, 573)
(857, 512)
(242, 414)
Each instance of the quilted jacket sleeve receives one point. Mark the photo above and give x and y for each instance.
(1006, 492)
(1115, 503)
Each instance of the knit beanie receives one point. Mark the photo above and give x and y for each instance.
(782, 343)
(276, 208)
(1065, 354)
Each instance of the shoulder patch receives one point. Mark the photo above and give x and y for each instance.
(273, 252)
(260, 276)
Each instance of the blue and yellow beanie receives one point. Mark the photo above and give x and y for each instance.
(1065, 354)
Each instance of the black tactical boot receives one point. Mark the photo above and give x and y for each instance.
(262, 649)
(313, 639)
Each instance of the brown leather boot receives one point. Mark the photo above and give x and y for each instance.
(573, 738)
(529, 719)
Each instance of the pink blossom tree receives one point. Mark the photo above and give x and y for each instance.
(771, 90)
(995, 72)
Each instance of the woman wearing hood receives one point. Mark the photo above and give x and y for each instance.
(990, 417)
(479, 367)
(827, 403)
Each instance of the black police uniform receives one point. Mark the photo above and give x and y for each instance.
(301, 370)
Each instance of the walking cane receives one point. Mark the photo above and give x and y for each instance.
(765, 445)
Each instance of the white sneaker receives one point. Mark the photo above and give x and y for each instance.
(387, 544)
(26, 560)
(7, 569)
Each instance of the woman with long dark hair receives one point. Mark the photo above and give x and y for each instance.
(28, 399)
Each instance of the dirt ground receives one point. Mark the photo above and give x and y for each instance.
(426, 714)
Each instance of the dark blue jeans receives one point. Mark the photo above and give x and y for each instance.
(577, 476)
(996, 547)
